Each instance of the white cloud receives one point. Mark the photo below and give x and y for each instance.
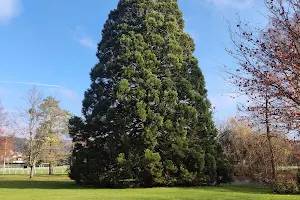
(82, 38)
(240, 4)
(9, 9)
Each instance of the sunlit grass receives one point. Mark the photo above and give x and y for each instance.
(60, 187)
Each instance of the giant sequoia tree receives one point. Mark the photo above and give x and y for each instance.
(147, 119)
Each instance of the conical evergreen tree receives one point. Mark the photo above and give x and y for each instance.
(147, 117)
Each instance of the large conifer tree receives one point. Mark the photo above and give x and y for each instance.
(147, 119)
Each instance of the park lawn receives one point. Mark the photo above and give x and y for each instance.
(44, 187)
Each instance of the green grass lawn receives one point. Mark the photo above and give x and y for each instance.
(60, 187)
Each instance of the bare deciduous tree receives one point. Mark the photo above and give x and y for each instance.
(269, 59)
(28, 123)
(269, 72)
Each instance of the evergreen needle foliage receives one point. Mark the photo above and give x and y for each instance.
(147, 120)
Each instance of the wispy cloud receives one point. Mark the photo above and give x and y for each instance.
(195, 35)
(82, 38)
(223, 101)
(240, 4)
(2, 91)
(69, 99)
(30, 83)
(227, 101)
(87, 42)
(224, 105)
(65, 94)
(9, 9)
(69, 94)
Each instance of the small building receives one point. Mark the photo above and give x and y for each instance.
(17, 160)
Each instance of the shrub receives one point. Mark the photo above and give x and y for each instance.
(286, 187)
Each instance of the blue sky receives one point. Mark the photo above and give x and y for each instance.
(53, 43)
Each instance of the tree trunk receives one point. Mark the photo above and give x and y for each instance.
(50, 163)
(31, 171)
(272, 158)
(4, 156)
(51, 169)
(269, 137)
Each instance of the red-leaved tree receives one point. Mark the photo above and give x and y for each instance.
(6, 149)
(5, 143)
(3, 121)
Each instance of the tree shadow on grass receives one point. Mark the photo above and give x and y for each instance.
(38, 182)
(67, 184)
(33, 184)
(250, 189)
(231, 188)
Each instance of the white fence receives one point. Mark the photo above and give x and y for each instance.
(283, 168)
(37, 170)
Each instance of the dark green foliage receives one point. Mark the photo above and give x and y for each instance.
(224, 170)
(147, 117)
(224, 167)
